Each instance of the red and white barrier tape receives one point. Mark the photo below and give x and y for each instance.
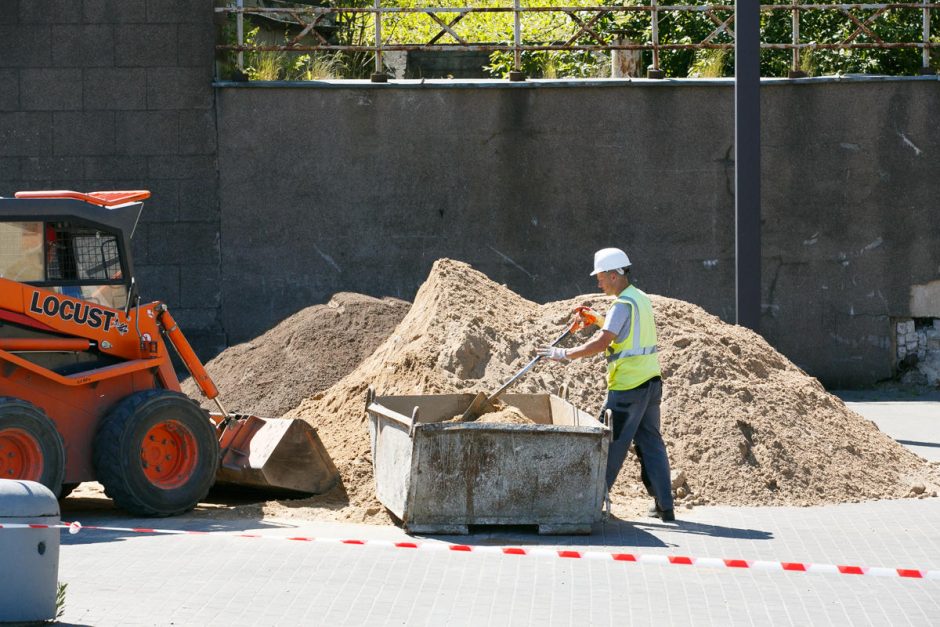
(680, 560)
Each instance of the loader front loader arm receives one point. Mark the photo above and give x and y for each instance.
(179, 342)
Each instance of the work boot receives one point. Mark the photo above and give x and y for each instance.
(666, 515)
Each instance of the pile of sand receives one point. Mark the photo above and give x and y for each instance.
(743, 425)
(302, 356)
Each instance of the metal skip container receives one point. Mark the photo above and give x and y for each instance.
(438, 475)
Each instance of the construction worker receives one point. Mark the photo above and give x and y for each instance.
(628, 339)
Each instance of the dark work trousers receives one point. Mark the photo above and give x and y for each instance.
(635, 418)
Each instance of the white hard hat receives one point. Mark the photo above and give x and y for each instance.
(607, 259)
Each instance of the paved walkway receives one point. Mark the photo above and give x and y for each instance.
(913, 423)
(127, 578)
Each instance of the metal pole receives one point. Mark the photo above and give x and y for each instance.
(747, 163)
(240, 33)
(379, 76)
(795, 71)
(516, 74)
(925, 69)
(653, 71)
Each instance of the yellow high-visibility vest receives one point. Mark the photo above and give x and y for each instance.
(634, 360)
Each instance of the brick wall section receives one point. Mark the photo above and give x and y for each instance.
(117, 94)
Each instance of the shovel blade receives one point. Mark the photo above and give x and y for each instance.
(478, 406)
(275, 454)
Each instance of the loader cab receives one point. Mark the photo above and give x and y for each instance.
(80, 260)
(74, 244)
(71, 243)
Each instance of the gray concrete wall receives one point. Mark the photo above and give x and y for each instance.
(106, 94)
(362, 187)
(851, 221)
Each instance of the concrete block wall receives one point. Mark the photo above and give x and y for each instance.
(361, 188)
(117, 94)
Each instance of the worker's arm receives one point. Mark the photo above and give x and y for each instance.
(597, 344)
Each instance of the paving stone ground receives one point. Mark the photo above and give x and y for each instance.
(123, 578)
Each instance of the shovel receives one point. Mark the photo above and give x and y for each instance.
(483, 403)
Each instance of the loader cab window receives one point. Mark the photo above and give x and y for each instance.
(75, 260)
(22, 251)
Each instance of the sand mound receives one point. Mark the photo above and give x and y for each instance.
(506, 416)
(302, 356)
(743, 424)
(500, 414)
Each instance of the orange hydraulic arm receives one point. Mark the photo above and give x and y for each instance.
(179, 342)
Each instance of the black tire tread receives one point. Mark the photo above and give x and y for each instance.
(55, 485)
(108, 452)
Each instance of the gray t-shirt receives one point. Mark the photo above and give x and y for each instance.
(619, 320)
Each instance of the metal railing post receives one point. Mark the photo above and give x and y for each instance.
(516, 74)
(240, 34)
(925, 68)
(653, 71)
(795, 70)
(379, 76)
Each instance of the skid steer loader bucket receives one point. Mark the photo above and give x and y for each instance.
(274, 454)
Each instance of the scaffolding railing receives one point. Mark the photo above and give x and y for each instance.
(588, 36)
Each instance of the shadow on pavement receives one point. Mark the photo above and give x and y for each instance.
(712, 531)
(207, 517)
(225, 509)
(613, 532)
(889, 394)
(916, 443)
(138, 528)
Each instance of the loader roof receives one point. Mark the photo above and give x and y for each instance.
(116, 211)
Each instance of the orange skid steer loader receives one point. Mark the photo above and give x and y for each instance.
(87, 388)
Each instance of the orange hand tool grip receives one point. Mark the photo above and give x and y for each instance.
(586, 317)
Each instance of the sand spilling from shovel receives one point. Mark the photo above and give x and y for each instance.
(742, 424)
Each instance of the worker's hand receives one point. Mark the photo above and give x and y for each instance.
(553, 352)
(586, 317)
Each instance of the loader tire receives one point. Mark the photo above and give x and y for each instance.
(156, 453)
(30, 445)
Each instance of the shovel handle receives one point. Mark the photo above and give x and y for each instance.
(529, 365)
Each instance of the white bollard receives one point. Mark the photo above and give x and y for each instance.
(30, 556)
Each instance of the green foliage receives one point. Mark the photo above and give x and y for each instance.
(60, 599)
(709, 63)
(264, 65)
(552, 64)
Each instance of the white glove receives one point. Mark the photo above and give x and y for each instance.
(553, 352)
